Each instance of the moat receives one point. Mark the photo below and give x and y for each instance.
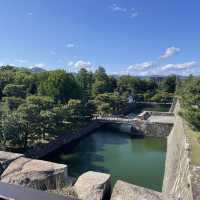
(140, 161)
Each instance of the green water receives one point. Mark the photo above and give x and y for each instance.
(138, 161)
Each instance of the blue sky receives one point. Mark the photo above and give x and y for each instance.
(139, 37)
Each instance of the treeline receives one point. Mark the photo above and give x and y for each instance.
(189, 94)
(35, 107)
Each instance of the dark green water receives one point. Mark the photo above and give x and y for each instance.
(137, 161)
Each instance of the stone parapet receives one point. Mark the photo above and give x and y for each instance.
(93, 186)
(32, 173)
(127, 191)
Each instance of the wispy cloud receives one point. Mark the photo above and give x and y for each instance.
(141, 66)
(117, 8)
(134, 13)
(70, 63)
(169, 52)
(129, 12)
(83, 64)
(70, 45)
(40, 65)
(181, 66)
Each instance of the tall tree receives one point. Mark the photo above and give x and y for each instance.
(60, 85)
(84, 80)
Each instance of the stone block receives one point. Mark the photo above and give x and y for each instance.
(37, 174)
(127, 191)
(6, 158)
(93, 186)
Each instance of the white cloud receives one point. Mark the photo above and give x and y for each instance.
(70, 63)
(134, 14)
(40, 65)
(181, 66)
(130, 12)
(117, 8)
(83, 64)
(70, 45)
(170, 52)
(30, 13)
(142, 66)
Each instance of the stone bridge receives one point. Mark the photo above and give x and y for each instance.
(148, 123)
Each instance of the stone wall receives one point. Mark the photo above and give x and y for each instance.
(154, 129)
(127, 191)
(177, 167)
(33, 173)
(63, 139)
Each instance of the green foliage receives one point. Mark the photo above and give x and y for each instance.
(103, 83)
(14, 90)
(109, 103)
(189, 92)
(169, 84)
(162, 97)
(139, 89)
(60, 86)
(85, 80)
(36, 107)
(11, 103)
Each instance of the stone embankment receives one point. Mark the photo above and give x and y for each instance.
(179, 175)
(148, 123)
(63, 139)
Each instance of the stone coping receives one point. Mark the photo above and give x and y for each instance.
(127, 191)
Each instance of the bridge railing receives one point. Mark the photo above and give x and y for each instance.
(114, 118)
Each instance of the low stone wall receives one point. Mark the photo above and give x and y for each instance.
(127, 191)
(156, 129)
(6, 158)
(33, 173)
(155, 113)
(64, 139)
(93, 186)
(177, 168)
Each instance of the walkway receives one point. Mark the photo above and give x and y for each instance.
(161, 119)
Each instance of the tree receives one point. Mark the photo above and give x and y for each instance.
(190, 101)
(162, 97)
(169, 84)
(11, 129)
(110, 103)
(102, 83)
(14, 90)
(84, 80)
(128, 86)
(11, 103)
(60, 86)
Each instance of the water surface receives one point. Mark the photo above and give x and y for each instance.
(138, 161)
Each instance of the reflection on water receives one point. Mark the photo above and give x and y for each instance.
(138, 161)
